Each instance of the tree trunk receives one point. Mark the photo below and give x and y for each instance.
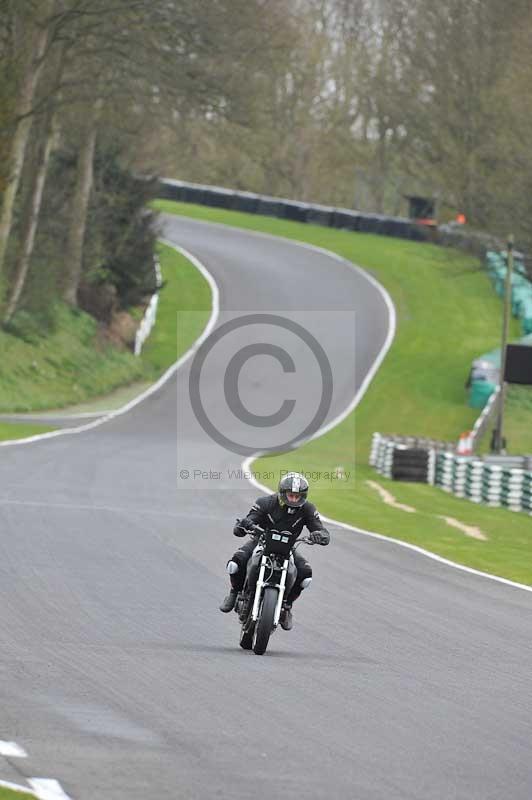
(20, 137)
(381, 170)
(48, 134)
(80, 205)
(32, 215)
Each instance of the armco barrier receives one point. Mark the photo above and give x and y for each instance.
(294, 211)
(244, 201)
(343, 218)
(222, 198)
(270, 207)
(451, 234)
(321, 215)
(297, 211)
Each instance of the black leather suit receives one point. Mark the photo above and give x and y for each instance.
(268, 512)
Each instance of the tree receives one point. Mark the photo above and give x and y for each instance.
(25, 47)
(117, 62)
(46, 135)
(80, 205)
(459, 52)
(509, 183)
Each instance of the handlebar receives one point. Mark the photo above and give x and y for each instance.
(251, 529)
(256, 530)
(304, 540)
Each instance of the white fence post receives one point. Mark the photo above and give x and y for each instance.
(150, 315)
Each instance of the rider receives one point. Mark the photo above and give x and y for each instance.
(288, 509)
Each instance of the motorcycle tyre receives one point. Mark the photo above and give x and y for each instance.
(246, 634)
(264, 626)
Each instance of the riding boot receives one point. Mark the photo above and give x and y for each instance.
(286, 619)
(229, 602)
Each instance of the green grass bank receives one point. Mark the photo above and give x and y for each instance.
(73, 365)
(9, 794)
(447, 314)
(21, 430)
(185, 290)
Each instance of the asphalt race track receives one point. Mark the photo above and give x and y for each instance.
(402, 678)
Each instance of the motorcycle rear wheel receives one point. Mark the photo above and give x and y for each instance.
(264, 626)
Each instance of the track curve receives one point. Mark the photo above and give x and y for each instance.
(402, 678)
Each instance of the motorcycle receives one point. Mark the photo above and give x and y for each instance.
(271, 573)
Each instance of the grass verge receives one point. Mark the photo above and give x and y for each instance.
(447, 315)
(62, 368)
(72, 366)
(9, 794)
(21, 430)
(185, 290)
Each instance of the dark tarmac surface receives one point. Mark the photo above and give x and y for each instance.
(403, 679)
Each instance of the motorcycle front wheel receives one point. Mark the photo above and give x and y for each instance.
(264, 626)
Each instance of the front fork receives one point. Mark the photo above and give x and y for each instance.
(260, 585)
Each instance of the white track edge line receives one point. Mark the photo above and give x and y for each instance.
(246, 464)
(246, 467)
(47, 789)
(215, 310)
(357, 398)
(16, 787)
(12, 750)
(350, 265)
